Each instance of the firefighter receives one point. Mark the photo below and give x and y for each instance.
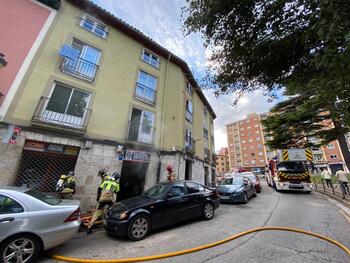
(66, 186)
(171, 173)
(105, 192)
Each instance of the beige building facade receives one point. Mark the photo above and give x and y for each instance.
(100, 94)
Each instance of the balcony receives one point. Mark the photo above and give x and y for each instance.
(207, 154)
(80, 68)
(189, 116)
(141, 133)
(145, 94)
(72, 117)
(190, 145)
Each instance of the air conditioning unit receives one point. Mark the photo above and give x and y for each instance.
(173, 149)
(88, 145)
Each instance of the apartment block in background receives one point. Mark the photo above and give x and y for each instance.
(246, 143)
(222, 161)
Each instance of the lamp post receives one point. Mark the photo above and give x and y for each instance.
(3, 62)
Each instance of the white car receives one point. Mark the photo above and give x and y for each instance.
(31, 221)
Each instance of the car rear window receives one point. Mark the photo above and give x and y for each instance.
(46, 198)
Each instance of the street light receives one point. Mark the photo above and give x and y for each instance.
(3, 62)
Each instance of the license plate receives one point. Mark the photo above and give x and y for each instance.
(224, 197)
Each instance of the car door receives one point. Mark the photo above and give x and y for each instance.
(250, 187)
(196, 200)
(11, 215)
(176, 204)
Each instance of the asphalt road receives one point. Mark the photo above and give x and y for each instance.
(312, 212)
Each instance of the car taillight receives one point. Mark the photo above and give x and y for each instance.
(73, 217)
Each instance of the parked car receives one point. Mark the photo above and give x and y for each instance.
(255, 180)
(236, 189)
(164, 204)
(31, 221)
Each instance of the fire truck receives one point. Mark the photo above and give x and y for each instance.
(288, 170)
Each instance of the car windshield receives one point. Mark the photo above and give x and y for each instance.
(46, 198)
(232, 181)
(292, 167)
(156, 191)
(251, 177)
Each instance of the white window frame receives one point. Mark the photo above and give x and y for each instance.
(330, 146)
(152, 56)
(189, 88)
(96, 24)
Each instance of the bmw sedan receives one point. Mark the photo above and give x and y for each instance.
(31, 221)
(164, 204)
(236, 190)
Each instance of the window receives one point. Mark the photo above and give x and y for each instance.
(245, 155)
(205, 111)
(205, 133)
(243, 141)
(9, 206)
(334, 156)
(189, 88)
(250, 140)
(260, 146)
(260, 153)
(330, 146)
(247, 121)
(93, 25)
(146, 87)
(256, 125)
(189, 111)
(242, 129)
(178, 190)
(66, 106)
(150, 58)
(188, 139)
(258, 139)
(80, 60)
(192, 188)
(141, 126)
(257, 132)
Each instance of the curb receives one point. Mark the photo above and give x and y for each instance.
(344, 202)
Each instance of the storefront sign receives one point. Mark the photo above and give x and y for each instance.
(34, 146)
(137, 156)
(71, 150)
(55, 148)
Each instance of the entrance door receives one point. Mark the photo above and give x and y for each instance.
(335, 167)
(188, 170)
(132, 179)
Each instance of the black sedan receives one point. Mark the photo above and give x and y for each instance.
(164, 204)
(236, 189)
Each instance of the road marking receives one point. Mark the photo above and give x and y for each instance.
(345, 215)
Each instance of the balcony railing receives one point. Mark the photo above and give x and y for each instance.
(189, 116)
(189, 145)
(72, 117)
(145, 93)
(80, 68)
(141, 133)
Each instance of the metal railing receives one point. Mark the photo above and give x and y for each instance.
(73, 116)
(332, 187)
(145, 93)
(189, 145)
(140, 133)
(80, 68)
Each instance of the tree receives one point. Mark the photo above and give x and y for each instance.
(301, 45)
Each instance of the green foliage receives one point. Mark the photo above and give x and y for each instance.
(259, 44)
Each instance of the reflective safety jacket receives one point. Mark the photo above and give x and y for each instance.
(66, 184)
(106, 190)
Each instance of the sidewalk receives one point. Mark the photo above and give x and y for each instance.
(337, 195)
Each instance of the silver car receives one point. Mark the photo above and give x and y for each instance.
(31, 221)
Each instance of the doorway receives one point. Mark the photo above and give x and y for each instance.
(132, 180)
(206, 176)
(188, 170)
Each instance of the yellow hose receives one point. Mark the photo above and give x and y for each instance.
(206, 246)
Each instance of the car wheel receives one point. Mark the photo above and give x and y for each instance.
(245, 198)
(139, 227)
(20, 248)
(208, 211)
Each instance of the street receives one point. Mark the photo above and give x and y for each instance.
(312, 212)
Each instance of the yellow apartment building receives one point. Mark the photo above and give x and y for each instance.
(101, 94)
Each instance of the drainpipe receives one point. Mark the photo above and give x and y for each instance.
(161, 141)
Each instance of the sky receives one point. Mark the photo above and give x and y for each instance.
(161, 20)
